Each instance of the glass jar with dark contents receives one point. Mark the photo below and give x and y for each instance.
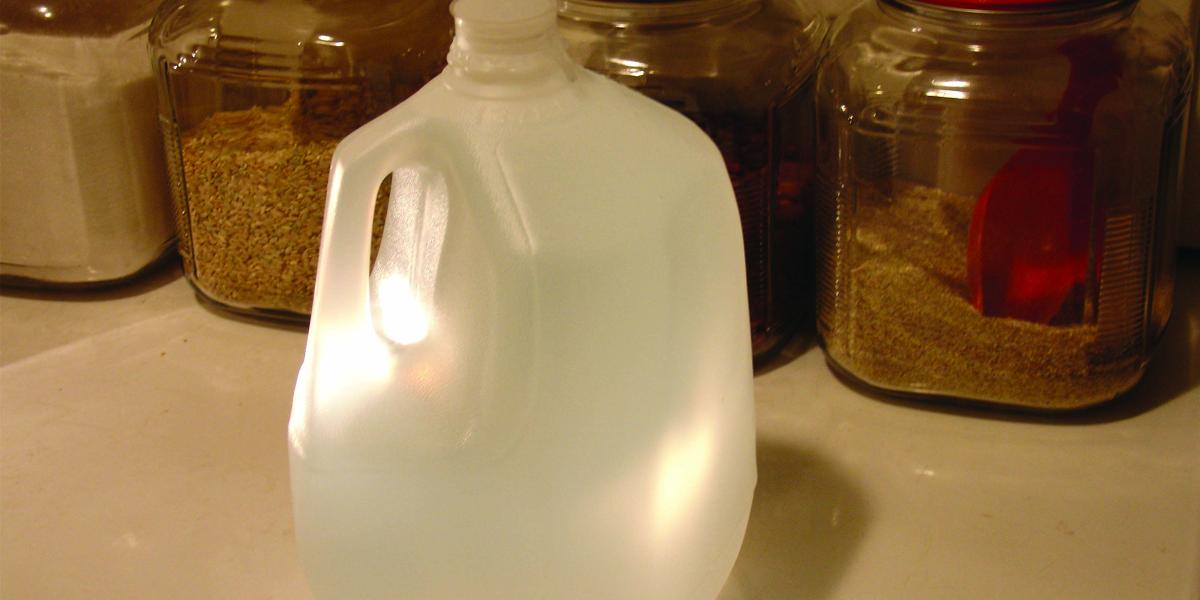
(742, 70)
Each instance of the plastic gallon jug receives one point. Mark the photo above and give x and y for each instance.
(543, 388)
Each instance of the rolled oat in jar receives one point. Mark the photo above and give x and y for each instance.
(251, 115)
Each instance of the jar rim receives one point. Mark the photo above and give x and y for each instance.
(1011, 12)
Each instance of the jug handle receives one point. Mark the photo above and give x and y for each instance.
(341, 302)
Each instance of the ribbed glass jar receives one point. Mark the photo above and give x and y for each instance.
(743, 71)
(1000, 188)
(83, 191)
(254, 96)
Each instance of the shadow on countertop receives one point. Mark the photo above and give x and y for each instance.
(807, 522)
(804, 340)
(155, 275)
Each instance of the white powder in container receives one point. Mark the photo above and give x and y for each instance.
(83, 191)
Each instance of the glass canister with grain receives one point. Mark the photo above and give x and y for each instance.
(743, 71)
(999, 192)
(254, 97)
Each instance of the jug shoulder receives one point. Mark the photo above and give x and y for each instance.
(589, 97)
(652, 118)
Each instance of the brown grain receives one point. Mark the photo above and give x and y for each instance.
(908, 324)
(256, 183)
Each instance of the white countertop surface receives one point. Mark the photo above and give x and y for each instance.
(142, 440)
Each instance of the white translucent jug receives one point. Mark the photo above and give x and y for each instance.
(544, 389)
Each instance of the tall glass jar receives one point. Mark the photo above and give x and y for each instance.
(742, 70)
(1190, 219)
(83, 192)
(1000, 184)
(254, 96)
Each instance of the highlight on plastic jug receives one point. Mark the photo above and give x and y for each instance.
(543, 388)
(1000, 193)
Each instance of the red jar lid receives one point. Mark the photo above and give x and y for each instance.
(1012, 5)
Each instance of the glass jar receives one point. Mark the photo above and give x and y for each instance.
(83, 191)
(254, 96)
(999, 183)
(1190, 218)
(742, 70)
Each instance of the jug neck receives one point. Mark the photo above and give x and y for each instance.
(507, 53)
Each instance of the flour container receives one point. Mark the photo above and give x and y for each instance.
(83, 190)
(543, 388)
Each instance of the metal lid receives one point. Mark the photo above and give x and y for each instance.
(1012, 5)
(87, 18)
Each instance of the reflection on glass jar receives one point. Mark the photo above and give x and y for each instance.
(255, 96)
(742, 70)
(998, 192)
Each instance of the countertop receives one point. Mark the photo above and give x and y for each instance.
(142, 439)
